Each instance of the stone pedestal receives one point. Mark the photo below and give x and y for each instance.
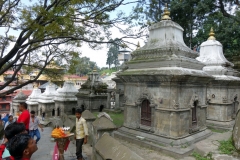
(65, 100)
(99, 127)
(19, 98)
(89, 117)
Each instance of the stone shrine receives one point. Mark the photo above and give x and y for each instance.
(93, 93)
(32, 100)
(19, 98)
(65, 100)
(223, 91)
(45, 102)
(164, 90)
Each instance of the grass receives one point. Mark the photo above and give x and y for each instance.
(117, 118)
(107, 71)
(226, 147)
(200, 157)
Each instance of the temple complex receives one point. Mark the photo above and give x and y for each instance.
(164, 88)
(223, 91)
(93, 93)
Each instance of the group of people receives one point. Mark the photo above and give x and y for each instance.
(19, 143)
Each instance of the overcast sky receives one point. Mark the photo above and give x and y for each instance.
(100, 56)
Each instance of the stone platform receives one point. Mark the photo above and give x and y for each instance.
(220, 125)
(177, 148)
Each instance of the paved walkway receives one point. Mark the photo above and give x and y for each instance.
(46, 146)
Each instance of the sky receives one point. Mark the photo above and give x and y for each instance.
(100, 56)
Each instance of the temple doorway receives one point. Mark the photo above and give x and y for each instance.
(101, 108)
(82, 107)
(73, 111)
(53, 112)
(146, 113)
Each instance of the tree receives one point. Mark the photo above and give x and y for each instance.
(113, 51)
(197, 16)
(53, 28)
(81, 66)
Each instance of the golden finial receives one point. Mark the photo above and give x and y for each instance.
(95, 69)
(211, 34)
(138, 45)
(166, 13)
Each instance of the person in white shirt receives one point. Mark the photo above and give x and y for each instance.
(33, 126)
(81, 133)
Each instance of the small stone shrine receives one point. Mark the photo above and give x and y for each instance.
(165, 90)
(32, 100)
(65, 99)
(93, 93)
(19, 98)
(223, 91)
(45, 101)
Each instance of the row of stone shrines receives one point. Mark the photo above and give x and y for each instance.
(52, 102)
(171, 91)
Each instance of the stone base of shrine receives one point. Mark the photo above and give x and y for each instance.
(177, 148)
(226, 125)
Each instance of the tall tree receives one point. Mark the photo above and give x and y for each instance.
(113, 51)
(196, 17)
(43, 26)
(81, 65)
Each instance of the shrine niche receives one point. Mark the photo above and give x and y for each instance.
(165, 89)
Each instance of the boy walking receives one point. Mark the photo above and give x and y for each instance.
(33, 126)
(81, 133)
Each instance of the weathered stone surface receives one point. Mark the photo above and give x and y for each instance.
(66, 93)
(223, 91)
(20, 96)
(103, 123)
(87, 115)
(236, 132)
(165, 89)
(109, 148)
(93, 93)
(104, 114)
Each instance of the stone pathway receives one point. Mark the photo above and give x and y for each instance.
(46, 146)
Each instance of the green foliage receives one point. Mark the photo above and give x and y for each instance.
(107, 71)
(113, 51)
(81, 65)
(200, 157)
(197, 17)
(54, 28)
(227, 147)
